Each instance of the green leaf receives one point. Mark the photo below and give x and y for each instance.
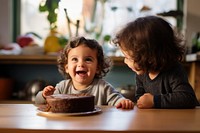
(52, 17)
(43, 8)
(107, 38)
(50, 6)
(63, 41)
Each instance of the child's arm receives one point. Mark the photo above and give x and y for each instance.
(145, 101)
(48, 90)
(41, 95)
(125, 104)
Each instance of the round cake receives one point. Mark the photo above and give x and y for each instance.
(70, 103)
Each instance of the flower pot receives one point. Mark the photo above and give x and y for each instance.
(6, 87)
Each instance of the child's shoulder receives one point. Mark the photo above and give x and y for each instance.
(177, 70)
(64, 82)
(177, 67)
(101, 82)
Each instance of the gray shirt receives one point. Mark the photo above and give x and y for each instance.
(170, 88)
(104, 93)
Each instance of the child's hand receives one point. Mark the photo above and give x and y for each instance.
(145, 101)
(125, 104)
(48, 90)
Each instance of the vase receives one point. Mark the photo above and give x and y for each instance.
(51, 44)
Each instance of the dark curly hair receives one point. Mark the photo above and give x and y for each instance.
(151, 42)
(104, 63)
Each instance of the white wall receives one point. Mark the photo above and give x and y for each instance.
(5, 22)
(191, 19)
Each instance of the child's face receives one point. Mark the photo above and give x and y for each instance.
(82, 65)
(131, 63)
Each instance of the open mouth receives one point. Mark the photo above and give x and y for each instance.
(81, 72)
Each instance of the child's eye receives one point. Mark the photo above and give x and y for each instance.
(74, 59)
(88, 59)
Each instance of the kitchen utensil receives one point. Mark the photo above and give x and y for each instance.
(33, 87)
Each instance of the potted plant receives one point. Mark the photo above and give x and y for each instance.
(50, 6)
(53, 43)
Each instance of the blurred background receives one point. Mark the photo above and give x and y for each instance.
(34, 31)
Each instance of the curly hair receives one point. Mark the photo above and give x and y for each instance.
(104, 63)
(151, 42)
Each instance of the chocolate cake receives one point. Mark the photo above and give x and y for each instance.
(70, 103)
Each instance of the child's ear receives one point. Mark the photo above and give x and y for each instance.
(98, 70)
(66, 68)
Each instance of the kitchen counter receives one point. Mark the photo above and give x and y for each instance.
(24, 118)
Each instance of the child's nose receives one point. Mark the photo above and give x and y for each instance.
(80, 63)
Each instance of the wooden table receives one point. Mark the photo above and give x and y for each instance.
(23, 118)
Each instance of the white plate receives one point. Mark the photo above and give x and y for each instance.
(96, 110)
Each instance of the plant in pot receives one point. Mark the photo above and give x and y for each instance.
(53, 43)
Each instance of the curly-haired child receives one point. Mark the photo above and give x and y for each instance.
(154, 52)
(83, 65)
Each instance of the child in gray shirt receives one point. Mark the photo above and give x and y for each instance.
(83, 64)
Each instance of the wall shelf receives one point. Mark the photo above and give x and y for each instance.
(42, 59)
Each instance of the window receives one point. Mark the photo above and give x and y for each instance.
(95, 21)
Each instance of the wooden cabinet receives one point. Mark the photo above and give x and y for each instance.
(193, 66)
(25, 68)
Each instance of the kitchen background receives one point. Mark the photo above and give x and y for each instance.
(109, 16)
